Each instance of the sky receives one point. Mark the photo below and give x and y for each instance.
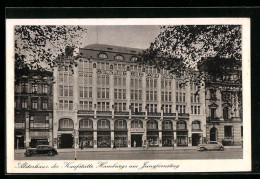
(135, 36)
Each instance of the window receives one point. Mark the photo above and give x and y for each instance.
(34, 88)
(225, 113)
(228, 131)
(133, 59)
(24, 103)
(152, 124)
(102, 55)
(119, 57)
(136, 124)
(167, 125)
(44, 103)
(181, 125)
(104, 124)
(34, 103)
(24, 87)
(66, 124)
(212, 94)
(195, 125)
(45, 88)
(85, 123)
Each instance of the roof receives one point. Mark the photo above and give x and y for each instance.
(113, 48)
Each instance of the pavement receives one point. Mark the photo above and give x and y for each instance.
(130, 149)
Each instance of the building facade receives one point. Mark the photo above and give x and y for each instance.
(225, 114)
(33, 110)
(108, 99)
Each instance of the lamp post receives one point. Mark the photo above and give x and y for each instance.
(75, 143)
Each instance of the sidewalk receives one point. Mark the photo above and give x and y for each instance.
(130, 149)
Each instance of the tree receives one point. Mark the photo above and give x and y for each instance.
(41, 47)
(199, 53)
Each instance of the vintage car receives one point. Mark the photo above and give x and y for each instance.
(212, 145)
(41, 149)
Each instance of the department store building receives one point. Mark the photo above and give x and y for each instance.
(109, 99)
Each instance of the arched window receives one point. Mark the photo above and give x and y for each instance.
(66, 124)
(133, 59)
(119, 57)
(136, 124)
(85, 123)
(167, 125)
(195, 125)
(103, 124)
(102, 55)
(181, 125)
(120, 124)
(225, 113)
(152, 124)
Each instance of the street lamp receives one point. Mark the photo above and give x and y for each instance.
(75, 143)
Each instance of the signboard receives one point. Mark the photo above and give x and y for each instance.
(137, 130)
(39, 135)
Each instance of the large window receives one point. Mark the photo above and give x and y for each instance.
(65, 105)
(85, 123)
(120, 124)
(167, 125)
(66, 124)
(136, 124)
(103, 124)
(24, 103)
(34, 103)
(45, 88)
(152, 124)
(195, 125)
(39, 122)
(181, 125)
(103, 106)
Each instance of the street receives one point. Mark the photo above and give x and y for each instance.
(230, 153)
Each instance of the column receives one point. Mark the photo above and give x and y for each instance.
(219, 109)
(27, 127)
(95, 132)
(94, 90)
(75, 89)
(145, 132)
(160, 132)
(112, 133)
(159, 93)
(55, 107)
(128, 89)
(111, 91)
(129, 133)
(50, 129)
(189, 132)
(144, 91)
(174, 133)
(187, 91)
(173, 95)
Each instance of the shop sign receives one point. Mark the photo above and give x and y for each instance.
(19, 125)
(137, 130)
(39, 135)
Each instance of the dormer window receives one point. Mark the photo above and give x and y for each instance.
(133, 59)
(119, 57)
(102, 55)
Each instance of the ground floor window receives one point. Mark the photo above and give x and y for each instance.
(196, 138)
(86, 139)
(182, 138)
(65, 141)
(167, 138)
(153, 138)
(120, 139)
(103, 139)
(19, 140)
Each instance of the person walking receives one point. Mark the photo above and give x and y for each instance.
(114, 145)
(134, 144)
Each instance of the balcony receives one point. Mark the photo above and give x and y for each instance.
(169, 114)
(85, 112)
(121, 113)
(104, 112)
(154, 114)
(138, 113)
(213, 119)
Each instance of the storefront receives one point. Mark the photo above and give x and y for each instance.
(86, 139)
(65, 133)
(19, 139)
(120, 133)
(182, 133)
(39, 138)
(167, 133)
(152, 133)
(103, 133)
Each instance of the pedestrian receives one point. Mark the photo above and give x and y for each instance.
(134, 144)
(147, 144)
(81, 145)
(114, 145)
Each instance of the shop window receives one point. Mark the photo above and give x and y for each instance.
(103, 124)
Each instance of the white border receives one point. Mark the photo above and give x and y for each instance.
(185, 165)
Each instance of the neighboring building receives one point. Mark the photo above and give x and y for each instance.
(109, 99)
(224, 108)
(33, 109)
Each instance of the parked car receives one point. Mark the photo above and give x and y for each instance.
(41, 149)
(212, 145)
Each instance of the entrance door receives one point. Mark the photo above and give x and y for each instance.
(213, 134)
(195, 139)
(136, 138)
(66, 141)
